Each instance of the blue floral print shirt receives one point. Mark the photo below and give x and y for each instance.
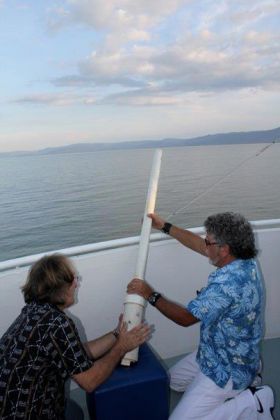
(230, 310)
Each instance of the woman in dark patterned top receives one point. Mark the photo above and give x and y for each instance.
(42, 348)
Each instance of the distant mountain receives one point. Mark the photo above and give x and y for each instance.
(265, 136)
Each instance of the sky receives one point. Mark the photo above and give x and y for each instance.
(76, 71)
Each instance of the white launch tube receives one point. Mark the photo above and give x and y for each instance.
(134, 305)
(147, 222)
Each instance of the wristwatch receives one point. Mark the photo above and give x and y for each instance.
(166, 228)
(153, 298)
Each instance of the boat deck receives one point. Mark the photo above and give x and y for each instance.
(270, 348)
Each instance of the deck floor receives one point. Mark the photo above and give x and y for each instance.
(77, 409)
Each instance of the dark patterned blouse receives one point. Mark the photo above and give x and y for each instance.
(39, 351)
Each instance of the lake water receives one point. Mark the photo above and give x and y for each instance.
(57, 201)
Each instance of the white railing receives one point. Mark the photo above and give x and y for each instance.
(172, 269)
(113, 244)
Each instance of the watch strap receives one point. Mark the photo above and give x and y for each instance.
(166, 228)
(153, 298)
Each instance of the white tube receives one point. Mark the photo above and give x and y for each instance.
(147, 222)
(134, 305)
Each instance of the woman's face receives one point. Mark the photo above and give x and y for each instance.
(70, 293)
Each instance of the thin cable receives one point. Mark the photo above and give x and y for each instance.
(220, 180)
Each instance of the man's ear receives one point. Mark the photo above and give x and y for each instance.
(225, 250)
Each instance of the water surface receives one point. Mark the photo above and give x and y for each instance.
(57, 201)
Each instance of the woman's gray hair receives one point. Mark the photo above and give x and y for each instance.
(48, 279)
(235, 231)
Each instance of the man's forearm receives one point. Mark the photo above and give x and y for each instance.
(175, 312)
(188, 239)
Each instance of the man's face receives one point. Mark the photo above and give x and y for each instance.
(213, 250)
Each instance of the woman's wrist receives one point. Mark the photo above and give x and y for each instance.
(116, 333)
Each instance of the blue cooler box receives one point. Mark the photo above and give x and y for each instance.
(138, 392)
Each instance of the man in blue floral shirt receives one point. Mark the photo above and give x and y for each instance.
(215, 379)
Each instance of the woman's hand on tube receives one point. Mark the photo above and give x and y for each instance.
(129, 340)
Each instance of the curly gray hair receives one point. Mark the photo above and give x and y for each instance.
(235, 231)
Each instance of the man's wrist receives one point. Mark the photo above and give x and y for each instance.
(153, 298)
(166, 228)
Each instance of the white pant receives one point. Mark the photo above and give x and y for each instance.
(203, 399)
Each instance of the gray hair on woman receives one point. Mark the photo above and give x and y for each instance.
(48, 279)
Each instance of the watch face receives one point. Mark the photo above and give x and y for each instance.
(153, 298)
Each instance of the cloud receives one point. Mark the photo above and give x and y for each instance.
(119, 21)
(198, 63)
(154, 52)
(59, 100)
(260, 9)
(113, 14)
(150, 96)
